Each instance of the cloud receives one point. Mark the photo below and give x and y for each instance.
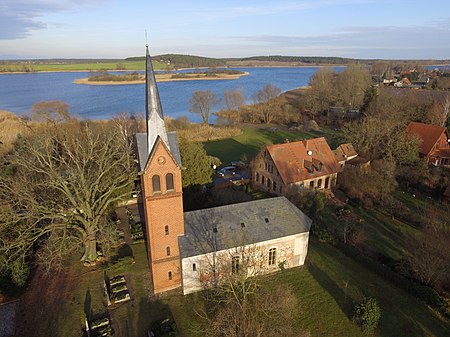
(19, 17)
(420, 41)
(277, 7)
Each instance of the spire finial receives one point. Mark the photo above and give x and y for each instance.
(146, 42)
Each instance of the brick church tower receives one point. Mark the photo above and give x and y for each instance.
(161, 185)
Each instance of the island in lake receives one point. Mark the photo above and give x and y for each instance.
(105, 78)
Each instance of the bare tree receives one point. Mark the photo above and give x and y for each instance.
(127, 125)
(445, 103)
(233, 99)
(429, 254)
(50, 111)
(63, 184)
(351, 86)
(321, 94)
(266, 97)
(202, 102)
(239, 304)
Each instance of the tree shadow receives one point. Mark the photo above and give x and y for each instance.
(88, 305)
(125, 251)
(344, 301)
(150, 313)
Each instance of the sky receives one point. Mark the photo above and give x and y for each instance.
(386, 29)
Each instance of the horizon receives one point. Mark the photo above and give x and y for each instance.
(107, 29)
(219, 58)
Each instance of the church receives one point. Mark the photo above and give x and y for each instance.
(189, 250)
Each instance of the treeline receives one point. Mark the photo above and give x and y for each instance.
(300, 59)
(184, 61)
(10, 67)
(105, 76)
(332, 60)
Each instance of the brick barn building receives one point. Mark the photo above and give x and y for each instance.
(307, 164)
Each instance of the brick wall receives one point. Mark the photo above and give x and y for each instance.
(163, 208)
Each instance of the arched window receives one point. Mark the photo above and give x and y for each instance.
(269, 184)
(275, 186)
(168, 250)
(170, 275)
(257, 177)
(169, 182)
(272, 256)
(262, 180)
(156, 184)
(166, 229)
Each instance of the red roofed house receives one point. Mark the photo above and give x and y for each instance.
(434, 142)
(344, 153)
(307, 163)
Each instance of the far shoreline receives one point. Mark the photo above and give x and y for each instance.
(131, 70)
(161, 78)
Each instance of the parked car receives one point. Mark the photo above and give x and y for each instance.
(227, 170)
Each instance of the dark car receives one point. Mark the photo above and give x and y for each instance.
(227, 170)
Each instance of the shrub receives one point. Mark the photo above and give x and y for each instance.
(367, 314)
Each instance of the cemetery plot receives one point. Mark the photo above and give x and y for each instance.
(136, 230)
(116, 290)
(99, 328)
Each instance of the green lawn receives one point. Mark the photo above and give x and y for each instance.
(129, 65)
(384, 234)
(326, 289)
(347, 281)
(420, 205)
(132, 318)
(253, 138)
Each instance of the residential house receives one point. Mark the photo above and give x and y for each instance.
(344, 153)
(307, 164)
(434, 142)
(182, 246)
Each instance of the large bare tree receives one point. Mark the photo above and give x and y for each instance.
(57, 190)
(202, 102)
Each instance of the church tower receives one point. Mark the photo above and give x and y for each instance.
(161, 185)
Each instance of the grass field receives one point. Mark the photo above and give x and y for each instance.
(139, 65)
(253, 138)
(326, 289)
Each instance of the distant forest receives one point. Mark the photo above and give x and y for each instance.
(177, 61)
(190, 61)
(183, 61)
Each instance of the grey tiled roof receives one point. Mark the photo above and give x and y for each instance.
(263, 220)
(141, 141)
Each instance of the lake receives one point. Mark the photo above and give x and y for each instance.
(18, 92)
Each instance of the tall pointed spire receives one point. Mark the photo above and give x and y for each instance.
(153, 110)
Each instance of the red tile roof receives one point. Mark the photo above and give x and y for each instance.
(306, 159)
(345, 152)
(429, 135)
